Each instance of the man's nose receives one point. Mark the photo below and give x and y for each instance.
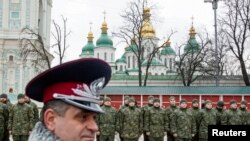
(92, 125)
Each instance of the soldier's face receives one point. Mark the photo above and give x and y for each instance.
(209, 105)
(172, 102)
(107, 103)
(243, 106)
(156, 104)
(233, 106)
(76, 125)
(21, 100)
(131, 104)
(183, 105)
(3, 100)
(150, 101)
(196, 104)
(27, 99)
(126, 101)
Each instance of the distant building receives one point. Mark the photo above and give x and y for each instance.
(14, 16)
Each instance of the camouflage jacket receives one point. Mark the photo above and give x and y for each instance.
(169, 111)
(207, 117)
(106, 121)
(4, 114)
(21, 119)
(118, 118)
(245, 116)
(131, 122)
(219, 115)
(195, 112)
(232, 117)
(182, 123)
(35, 111)
(155, 122)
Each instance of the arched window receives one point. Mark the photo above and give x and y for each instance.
(105, 56)
(128, 61)
(112, 57)
(133, 62)
(11, 58)
(120, 67)
(170, 64)
(98, 55)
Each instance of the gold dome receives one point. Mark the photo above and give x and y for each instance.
(104, 27)
(192, 32)
(90, 36)
(147, 29)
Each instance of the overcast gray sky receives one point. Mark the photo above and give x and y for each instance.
(172, 14)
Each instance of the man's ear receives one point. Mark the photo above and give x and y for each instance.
(49, 118)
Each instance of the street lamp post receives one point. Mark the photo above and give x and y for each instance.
(215, 6)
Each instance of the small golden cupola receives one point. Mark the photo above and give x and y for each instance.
(148, 30)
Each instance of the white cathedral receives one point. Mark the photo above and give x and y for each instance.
(163, 62)
(14, 16)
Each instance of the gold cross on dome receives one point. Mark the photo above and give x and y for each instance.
(90, 26)
(104, 13)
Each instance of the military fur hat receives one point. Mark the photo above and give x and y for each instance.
(131, 99)
(195, 101)
(19, 96)
(220, 103)
(106, 99)
(207, 101)
(233, 102)
(243, 102)
(183, 101)
(156, 100)
(150, 97)
(3, 96)
(126, 97)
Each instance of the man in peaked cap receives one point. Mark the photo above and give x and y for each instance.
(70, 93)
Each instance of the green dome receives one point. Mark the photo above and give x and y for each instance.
(122, 59)
(192, 45)
(131, 48)
(104, 40)
(88, 49)
(167, 51)
(155, 62)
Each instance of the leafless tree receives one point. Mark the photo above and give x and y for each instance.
(34, 50)
(192, 64)
(135, 19)
(235, 24)
(60, 35)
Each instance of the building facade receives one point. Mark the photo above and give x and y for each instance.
(14, 16)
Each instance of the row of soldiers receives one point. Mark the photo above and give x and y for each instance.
(179, 123)
(17, 119)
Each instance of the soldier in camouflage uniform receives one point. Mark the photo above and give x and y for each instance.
(170, 111)
(182, 123)
(119, 114)
(207, 117)
(131, 122)
(33, 107)
(5, 100)
(21, 119)
(4, 113)
(232, 116)
(244, 112)
(195, 112)
(154, 122)
(145, 108)
(220, 111)
(106, 122)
